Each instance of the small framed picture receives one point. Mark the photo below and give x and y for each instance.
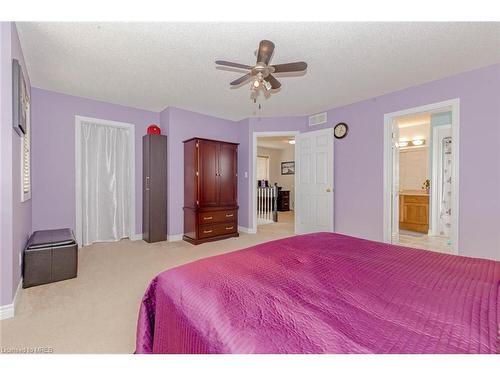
(288, 167)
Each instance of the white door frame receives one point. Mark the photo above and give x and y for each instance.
(78, 170)
(454, 106)
(436, 159)
(253, 171)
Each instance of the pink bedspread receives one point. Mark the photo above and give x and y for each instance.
(323, 293)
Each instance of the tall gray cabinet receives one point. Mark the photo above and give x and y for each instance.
(154, 188)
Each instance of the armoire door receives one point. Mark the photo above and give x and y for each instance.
(227, 174)
(208, 151)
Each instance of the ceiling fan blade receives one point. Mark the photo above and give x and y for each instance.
(242, 79)
(266, 48)
(275, 84)
(290, 67)
(233, 64)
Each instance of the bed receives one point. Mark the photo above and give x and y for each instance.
(323, 293)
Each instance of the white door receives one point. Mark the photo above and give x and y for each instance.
(314, 182)
(395, 178)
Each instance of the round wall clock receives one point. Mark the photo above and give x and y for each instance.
(340, 130)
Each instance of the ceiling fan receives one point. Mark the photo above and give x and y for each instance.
(261, 72)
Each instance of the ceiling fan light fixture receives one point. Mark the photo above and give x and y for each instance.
(262, 70)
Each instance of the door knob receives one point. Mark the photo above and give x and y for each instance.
(328, 190)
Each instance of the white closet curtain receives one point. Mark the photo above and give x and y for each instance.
(106, 179)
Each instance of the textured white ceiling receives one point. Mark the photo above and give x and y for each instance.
(278, 143)
(155, 65)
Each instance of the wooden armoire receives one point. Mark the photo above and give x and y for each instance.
(210, 190)
(154, 188)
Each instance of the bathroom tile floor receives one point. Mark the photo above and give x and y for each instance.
(422, 241)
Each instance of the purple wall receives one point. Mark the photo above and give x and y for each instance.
(182, 125)
(16, 216)
(243, 167)
(359, 158)
(5, 164)
(22, 212)
(53, 150)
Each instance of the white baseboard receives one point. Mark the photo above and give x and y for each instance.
(178, 237)
(8, 311)
(137, 237)
(170, 237)
(246, 230)
(174, 237)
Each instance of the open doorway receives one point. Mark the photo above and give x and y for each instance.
(421, 166)
(310, 175)
(275, 184)
(272, 182)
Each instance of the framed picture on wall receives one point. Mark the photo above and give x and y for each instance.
(288, 167)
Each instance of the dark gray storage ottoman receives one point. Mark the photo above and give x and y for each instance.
(50, 255)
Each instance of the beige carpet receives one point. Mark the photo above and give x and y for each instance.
(97, 311)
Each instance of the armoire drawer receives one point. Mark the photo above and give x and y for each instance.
(207, 231)
(217, 216)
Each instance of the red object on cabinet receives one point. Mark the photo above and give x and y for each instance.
(154, 129)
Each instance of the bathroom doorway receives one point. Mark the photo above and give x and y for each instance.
(421, 196)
